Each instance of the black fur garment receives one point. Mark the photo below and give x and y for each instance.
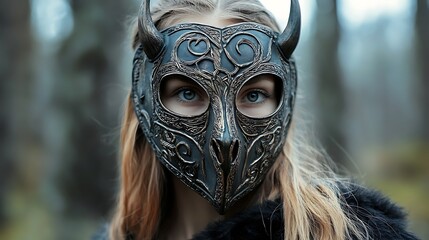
(384, 220)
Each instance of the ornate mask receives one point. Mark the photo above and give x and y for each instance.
(222, 153)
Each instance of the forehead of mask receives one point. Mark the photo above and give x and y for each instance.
(257, 35)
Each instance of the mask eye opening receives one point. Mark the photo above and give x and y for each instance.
(260, 96)
(183, 96)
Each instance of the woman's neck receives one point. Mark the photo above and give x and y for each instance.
(189, 214)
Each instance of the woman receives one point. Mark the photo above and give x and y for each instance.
(209, 147)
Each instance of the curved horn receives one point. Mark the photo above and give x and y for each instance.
(288, 40)
(152, 40)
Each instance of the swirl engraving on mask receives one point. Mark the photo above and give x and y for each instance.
(194, 54)
(237, 58)
(265, 146)
(182, 152)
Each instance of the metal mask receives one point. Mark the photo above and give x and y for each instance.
(222, 153)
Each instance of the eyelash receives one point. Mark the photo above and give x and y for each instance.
(260, 91)
(184, 88)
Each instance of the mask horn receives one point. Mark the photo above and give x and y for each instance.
(151, 39)
(288, 40)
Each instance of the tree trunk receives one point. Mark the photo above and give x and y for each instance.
(90, 95)
(328, 83)
(15, 47)
(422, 33)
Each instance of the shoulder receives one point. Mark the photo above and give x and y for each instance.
(383, 219)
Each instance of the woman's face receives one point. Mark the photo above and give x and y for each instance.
(257, 97)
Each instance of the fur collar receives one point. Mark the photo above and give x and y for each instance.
(384, 219)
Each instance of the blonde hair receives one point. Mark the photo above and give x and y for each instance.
(301, 177)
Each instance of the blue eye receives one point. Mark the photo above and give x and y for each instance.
(255, 97)
(187, 95)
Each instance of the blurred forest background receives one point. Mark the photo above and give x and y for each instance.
(65, 70)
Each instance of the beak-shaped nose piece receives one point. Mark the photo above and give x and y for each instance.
(226, 152)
